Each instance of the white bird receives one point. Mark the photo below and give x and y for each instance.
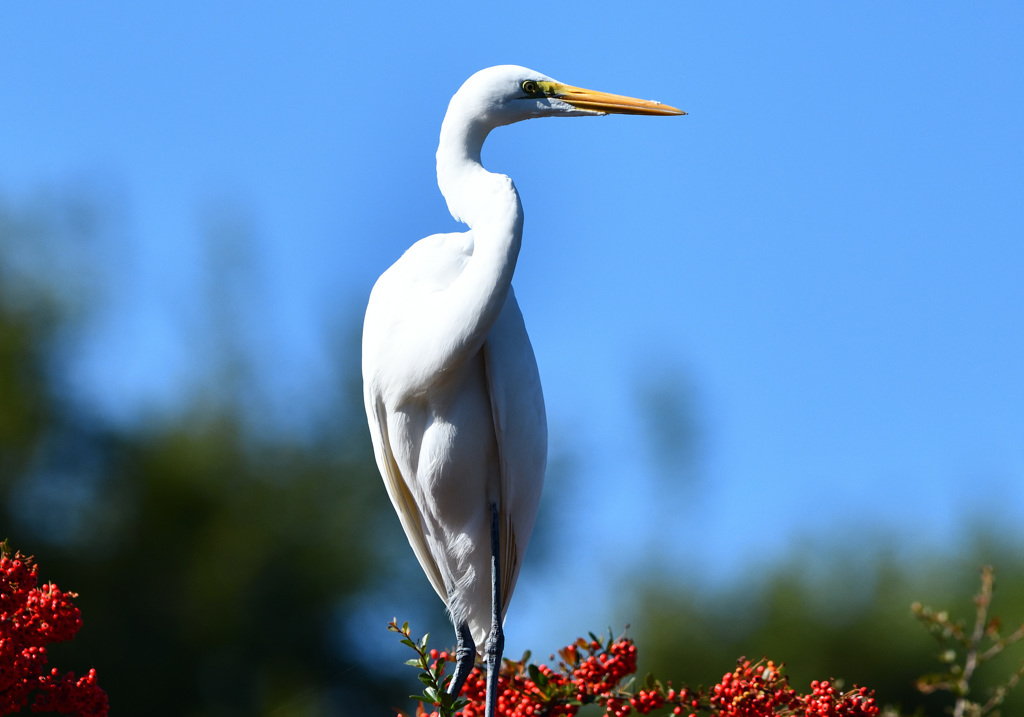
(450, 382)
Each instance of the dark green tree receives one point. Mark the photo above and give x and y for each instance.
(214, 562)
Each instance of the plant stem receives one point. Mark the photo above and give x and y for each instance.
(981, 619)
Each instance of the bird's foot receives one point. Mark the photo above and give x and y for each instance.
(465, 656)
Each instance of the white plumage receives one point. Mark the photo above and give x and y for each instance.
(451, 386)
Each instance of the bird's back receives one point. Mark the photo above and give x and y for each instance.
(448, 445)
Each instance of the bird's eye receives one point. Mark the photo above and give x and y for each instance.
(530, 87)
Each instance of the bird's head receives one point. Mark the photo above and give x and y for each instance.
(508, 93)
(502, 95)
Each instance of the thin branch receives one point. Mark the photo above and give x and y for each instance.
(1002, 645)
(1001, 692)
(981, 619)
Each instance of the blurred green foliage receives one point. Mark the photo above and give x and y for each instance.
(212, 564)
(214, 561)
(851, 620)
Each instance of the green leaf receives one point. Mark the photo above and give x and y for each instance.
(415, 662)
(539, 678)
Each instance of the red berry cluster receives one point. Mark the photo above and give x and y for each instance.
(753, 690)
(596, 672)
(601, 670)
(761, 690)
(67, 695)
(825, 701)
(31, 618)
(519, 694)
(588, 673)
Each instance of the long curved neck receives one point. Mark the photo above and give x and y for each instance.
(490, 205)
(475, 196)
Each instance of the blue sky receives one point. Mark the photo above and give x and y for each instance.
(827, 252)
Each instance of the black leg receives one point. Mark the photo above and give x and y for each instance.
(465, 656)
(496, 641)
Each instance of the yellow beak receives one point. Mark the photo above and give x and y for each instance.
(605, 102)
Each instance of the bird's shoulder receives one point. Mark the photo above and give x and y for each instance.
(402, 296)
(429, 265)
(450, 246)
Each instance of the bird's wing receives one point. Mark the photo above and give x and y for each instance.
(402, 498)
(520, 425)
(398, 316)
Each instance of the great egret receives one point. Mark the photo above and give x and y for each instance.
(451, 387)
